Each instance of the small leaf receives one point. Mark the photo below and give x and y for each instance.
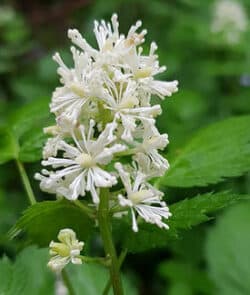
(27, 125)
(92, 279)
(221, 150)
(178, 273)
(8, 147)
(27, 275)
(185, 214)
(23, 136)
(227, 252)
(42, 221)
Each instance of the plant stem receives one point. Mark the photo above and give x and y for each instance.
(105, 230)
(26, 182)
(67, 282)
(104, 261)
(85, 208)
(120, 262)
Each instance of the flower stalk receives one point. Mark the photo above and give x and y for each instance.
(105, 230)
(26, 182)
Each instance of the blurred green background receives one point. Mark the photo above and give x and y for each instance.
(210, 60)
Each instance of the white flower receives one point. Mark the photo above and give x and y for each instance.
(80, 167)
(142, 198)
(230, 19)
(66, 251)
(112, 45)
(124, 102)
(103, 109)
(81, 85)
(52, 144)
(143, 68)
(151, 143)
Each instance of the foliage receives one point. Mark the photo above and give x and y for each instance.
(24, 276)
(221, 150)
(227, 251)
(95, 279)
(23, 137)
(43, 221)
(186, 214)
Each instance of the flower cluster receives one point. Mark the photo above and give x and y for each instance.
(104, 116)
(229, 19)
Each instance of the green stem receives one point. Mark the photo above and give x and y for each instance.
(126, 153)
(67, 282)
(120, 262)
(105, 230)
(26, 182)
(117, 209)
(104, 261)
(84, 208)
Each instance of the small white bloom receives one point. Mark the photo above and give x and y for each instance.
(151, 143)
(124, 102)
(112, 45)
(66, 251)
(142, 198)
(230, 19)
(143, 69)
(52, 144)
(81, 85)
(80, 168)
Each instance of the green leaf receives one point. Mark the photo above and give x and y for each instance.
(23, 136)
(218, 151)
(194, 280)
(27, 275)
(92, 279)
(185, 215)
(42, 221)
(227, 252)
(27, 125)
(8, 148)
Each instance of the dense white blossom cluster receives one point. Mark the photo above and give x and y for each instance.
(104, 116)
(229, 19)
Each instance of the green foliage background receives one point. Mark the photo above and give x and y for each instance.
(209, 152)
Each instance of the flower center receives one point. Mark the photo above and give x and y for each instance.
(85, 161)
(143, 73)
(128, 102)
(108, 46)
(77, 89)
(140, 196)
(135, 39)
(52, 130)
(60, 249)
(150, 143)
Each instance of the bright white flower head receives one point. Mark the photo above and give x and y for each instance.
(79, 169)
(230, 19)
(103, 112)
(65, 251)
(143, 198)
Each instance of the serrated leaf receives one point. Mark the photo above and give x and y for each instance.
(27, 125)
(185, 214)
(23, 136)
(218, 151)
(27, 275)
(227, 252)
(92, 279)
(42, 221)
